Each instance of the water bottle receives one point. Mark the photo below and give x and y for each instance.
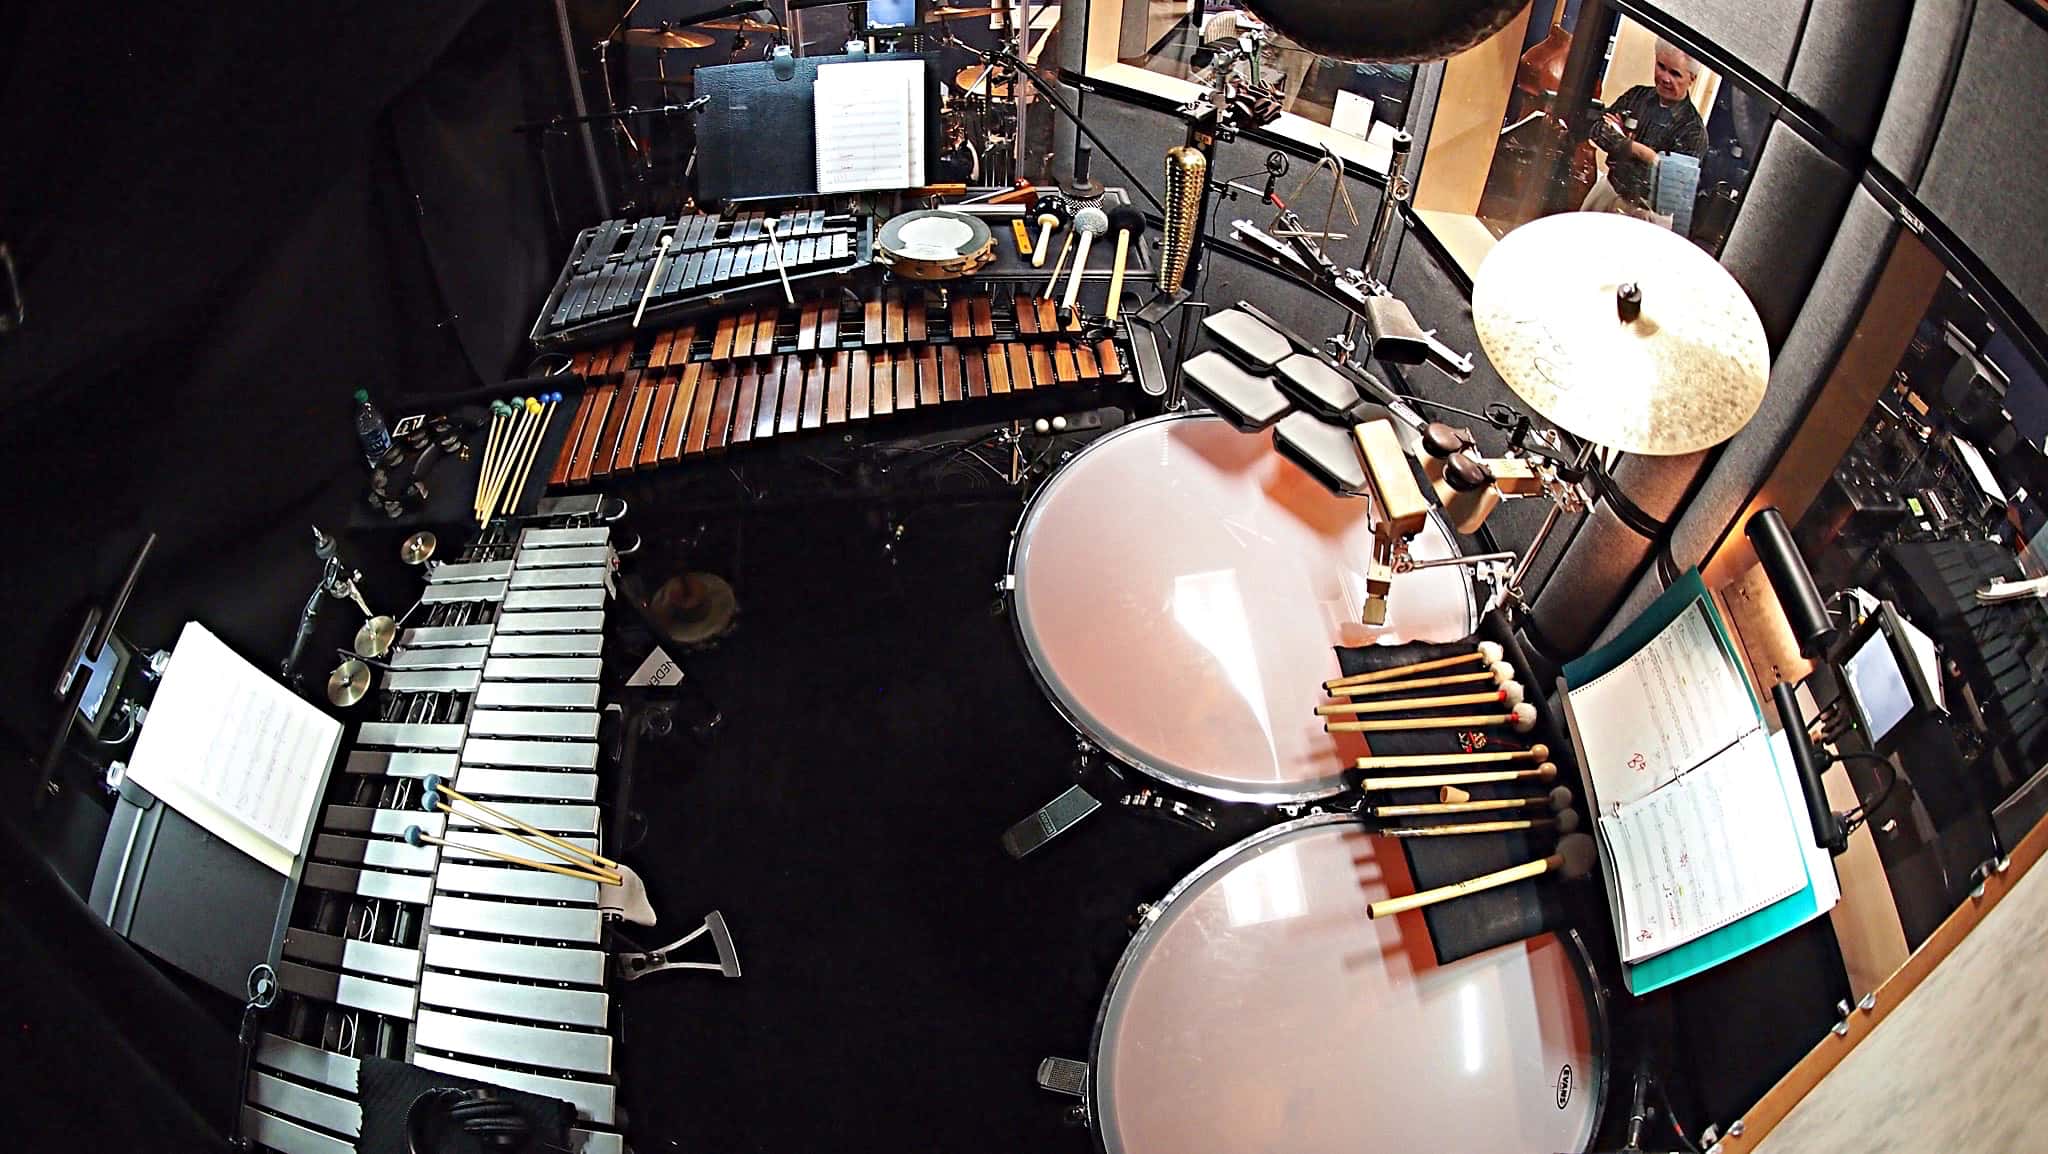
(370, 429)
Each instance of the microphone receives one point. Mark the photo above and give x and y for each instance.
(1790, 579)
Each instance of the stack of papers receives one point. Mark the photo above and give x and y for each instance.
(237, 753)
(1705, 843)
(870, 125)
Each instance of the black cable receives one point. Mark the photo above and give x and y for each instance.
(1671, 1115)
(1855, 818)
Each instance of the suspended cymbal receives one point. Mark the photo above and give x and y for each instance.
(741, 24)
(666, 38)
(1681, 370)
(373, 638)
(975, 79)
(418, 548)
(347, 684)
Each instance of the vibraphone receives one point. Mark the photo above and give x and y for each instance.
(770, 372)
(443, 956)
(709, 257)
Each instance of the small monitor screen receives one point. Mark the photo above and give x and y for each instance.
(1879, 684)
(892, 13)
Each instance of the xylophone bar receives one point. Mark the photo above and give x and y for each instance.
(760, 373)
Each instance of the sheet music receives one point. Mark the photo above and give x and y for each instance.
(1671, 705)
(1715, 845)
(234, 751)
(870, 125)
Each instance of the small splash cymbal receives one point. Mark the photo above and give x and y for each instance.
(348, 683)
(373, 638)
(418, 548)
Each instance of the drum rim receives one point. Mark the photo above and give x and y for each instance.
(1575, 948)
(1277, 796)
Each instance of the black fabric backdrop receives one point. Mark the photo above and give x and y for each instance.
(225, 221)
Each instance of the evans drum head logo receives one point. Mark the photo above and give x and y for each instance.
(1564, 1086)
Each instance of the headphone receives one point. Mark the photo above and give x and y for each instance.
(493, 1123)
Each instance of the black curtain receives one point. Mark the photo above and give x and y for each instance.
(226, 219)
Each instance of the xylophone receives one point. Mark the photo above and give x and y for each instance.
(769, 372)
(446, 957)
(706, 257)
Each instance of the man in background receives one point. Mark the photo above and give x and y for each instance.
(1645, 123)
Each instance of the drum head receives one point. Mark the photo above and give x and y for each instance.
(1178, 589)
(1260, 1009)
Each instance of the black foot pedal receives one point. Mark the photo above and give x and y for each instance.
(1057, 817)
(1064, 1076)
(638, 965)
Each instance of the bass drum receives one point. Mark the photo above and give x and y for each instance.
(1259, 1009)
(1178, 589)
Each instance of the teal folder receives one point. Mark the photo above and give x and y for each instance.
(1781, 916)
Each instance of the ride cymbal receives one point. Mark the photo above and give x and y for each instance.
(666, 38)
(1621, 332)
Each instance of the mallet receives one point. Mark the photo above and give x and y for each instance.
(1128, 224)
(1547, 772)
(1536, 752)
(1058, 266)
(1559, 800)
(1566, 822)
(1522, 718)
(415, 836)
(1500, 673)
(1488, 651)
(1090, 222)
(1510, 693)
(1051, 214)
(654, 278)
(573, 854)
(1575, 858)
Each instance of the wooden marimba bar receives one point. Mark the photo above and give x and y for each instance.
(769, 372)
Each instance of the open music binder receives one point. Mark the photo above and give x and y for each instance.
(1705, 847)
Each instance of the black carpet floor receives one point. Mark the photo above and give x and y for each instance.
(903, 975)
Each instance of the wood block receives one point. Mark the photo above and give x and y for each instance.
(1401, 502)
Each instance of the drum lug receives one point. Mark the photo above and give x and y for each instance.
(1181, 811)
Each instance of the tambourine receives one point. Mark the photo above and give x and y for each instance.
(934, 244)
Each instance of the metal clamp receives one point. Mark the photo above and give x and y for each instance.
(637, 965)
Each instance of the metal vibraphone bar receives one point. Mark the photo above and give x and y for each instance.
(442, 955)
(759, 373)
(612, 265)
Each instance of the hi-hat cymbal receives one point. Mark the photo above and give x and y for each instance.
(666, 38)
(1684, 374)
(347, 684)
(418, 548)
(975, 79)
(373, 638)
(741, 24)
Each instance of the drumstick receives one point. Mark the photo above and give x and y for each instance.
(1090, 222)
(1559, 800)
(1522, 717)
(432, 784)
(1501, 673)
(775, 250)
(1065, 248)
(1536, 752)
(518, 485)
(1566, 822)
(415, 836)
(1511, 693)
(1051, 214)
(653, 276)
(1545, 772)
(1128, 224)
(1488, 651)
(1575, 858)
